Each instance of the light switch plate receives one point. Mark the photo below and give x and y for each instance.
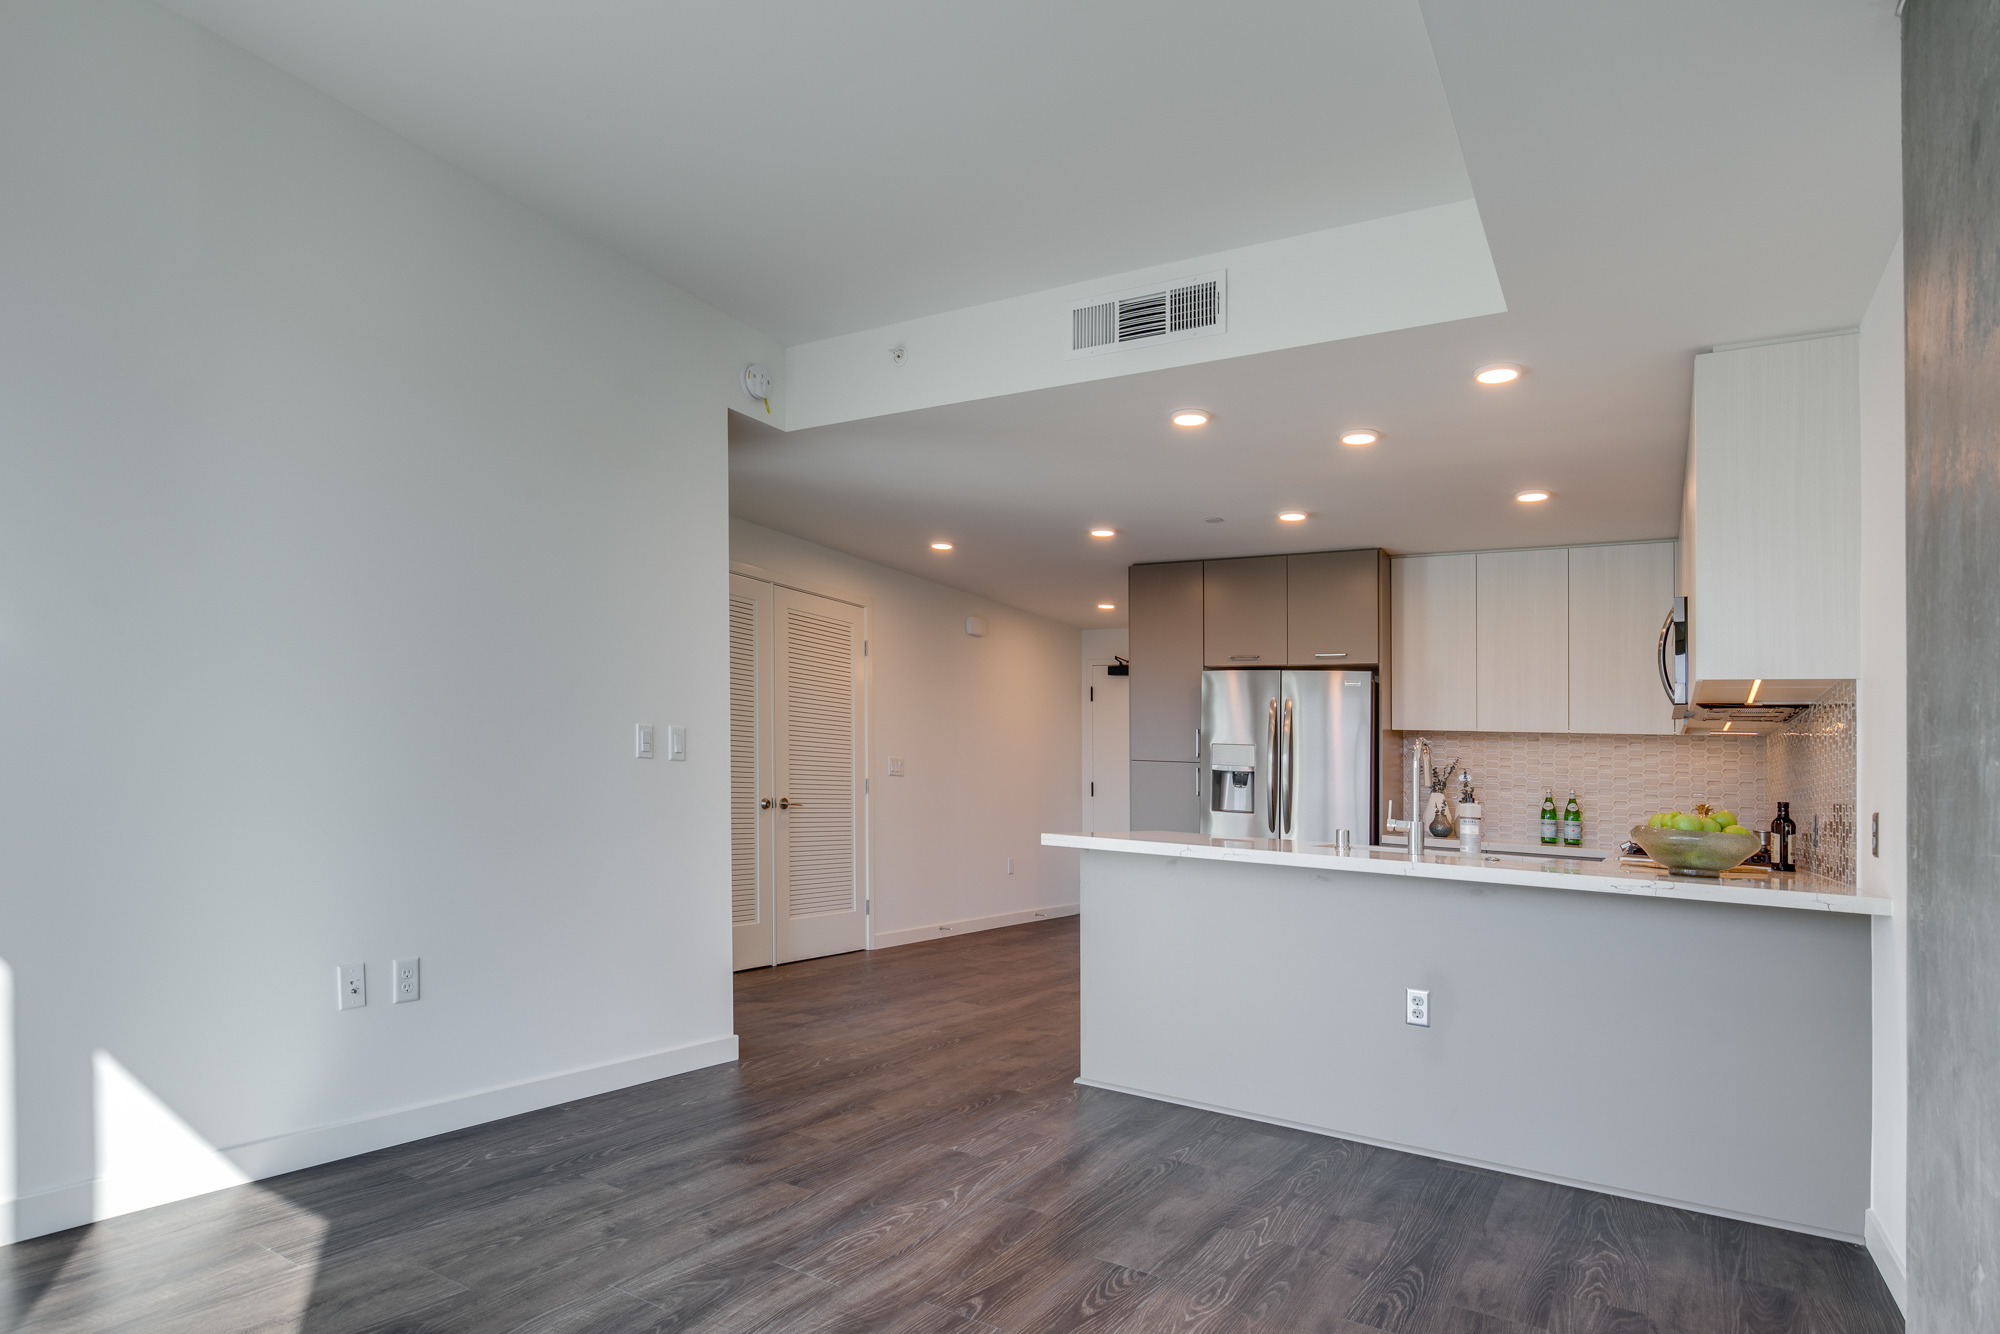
(642, 741)
(895, 766)
(677, 742)
(350, 982)
(408, 977)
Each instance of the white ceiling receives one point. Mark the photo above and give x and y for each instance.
(1653, 179)
(816, 169)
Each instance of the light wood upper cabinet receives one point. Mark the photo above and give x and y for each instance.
(1617, 599)
(1164, 602)
(1784, 414)
(1524, 640)
(1333, 609)
(1434, 620)
(1243, 612)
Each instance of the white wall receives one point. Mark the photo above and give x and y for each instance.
(350, 516)
(986, 727)
(1881, 758)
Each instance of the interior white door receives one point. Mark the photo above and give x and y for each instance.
(750, 804)
(1108, 794)
(819, 845)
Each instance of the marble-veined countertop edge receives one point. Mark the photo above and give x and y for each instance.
(1798, 892)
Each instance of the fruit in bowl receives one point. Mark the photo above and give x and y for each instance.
(1701, 842)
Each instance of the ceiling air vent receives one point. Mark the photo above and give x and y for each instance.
(1162, 313)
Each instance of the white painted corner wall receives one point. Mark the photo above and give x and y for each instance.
(1882, 757)
(987, 731)
(350, 516)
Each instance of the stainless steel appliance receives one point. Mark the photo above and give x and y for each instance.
(1288, 754)
(1674, 652)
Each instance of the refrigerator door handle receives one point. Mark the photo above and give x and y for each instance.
(1291, 766)
(1271, 730)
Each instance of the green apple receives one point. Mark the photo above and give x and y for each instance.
(1711, 826)
(1727, 818)
(1736, 829)
(1687, 822)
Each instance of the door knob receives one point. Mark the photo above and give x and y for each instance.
(764, 805)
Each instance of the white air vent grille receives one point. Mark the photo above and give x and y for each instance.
(1168, 312)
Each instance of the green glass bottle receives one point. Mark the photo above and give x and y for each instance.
(1549, 815)
(1572, 823)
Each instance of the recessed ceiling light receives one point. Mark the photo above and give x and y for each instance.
(1190, 417)
(1292, 516)
(1104, 532)
(1360, 438)
(1107, 606)
(940, 546)
(1500, 372)
(1531, 497)
(1212, 520)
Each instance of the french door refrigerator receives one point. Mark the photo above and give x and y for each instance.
(1288, 754)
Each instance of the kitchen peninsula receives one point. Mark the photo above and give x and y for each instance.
(1696, 1042)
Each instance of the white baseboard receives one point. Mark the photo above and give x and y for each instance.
(1887, 1255)
(882, 940)
(76, 1204)
(1508, 1168)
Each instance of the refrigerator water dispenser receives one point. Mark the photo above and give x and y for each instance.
(1232, 778)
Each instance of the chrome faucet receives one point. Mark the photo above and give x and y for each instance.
(1420, 759)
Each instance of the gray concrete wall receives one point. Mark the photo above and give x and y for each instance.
(1711, 1055)
(1951, 218)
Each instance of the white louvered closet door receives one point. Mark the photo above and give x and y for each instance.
(750, 821)
(818, 844)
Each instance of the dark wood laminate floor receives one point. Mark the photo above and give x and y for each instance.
(902, 1151)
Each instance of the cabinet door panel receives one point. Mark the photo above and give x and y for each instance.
(1165, 796)
(1331, 609)
(1524, 640)
(1617, 597)
(1164, 602)
(1435, 626)
(1243, 612)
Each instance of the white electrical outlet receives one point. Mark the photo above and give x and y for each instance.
(350, 986)
(642, 741)
(408, 975)
(1418, 1010)
(1010, 866)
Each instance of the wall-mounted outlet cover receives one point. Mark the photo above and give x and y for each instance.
(642, 741)
(1418, 1008)
(1010, 866)
(408, 975)
(677, 741)
(350, 986)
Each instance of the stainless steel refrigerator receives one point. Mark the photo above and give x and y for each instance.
(1288, 754)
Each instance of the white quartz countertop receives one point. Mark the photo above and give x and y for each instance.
(1774, 890)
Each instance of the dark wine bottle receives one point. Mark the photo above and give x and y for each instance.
(1783, 834)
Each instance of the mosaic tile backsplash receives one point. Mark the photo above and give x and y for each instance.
(1810, 763)
(1619, 780)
